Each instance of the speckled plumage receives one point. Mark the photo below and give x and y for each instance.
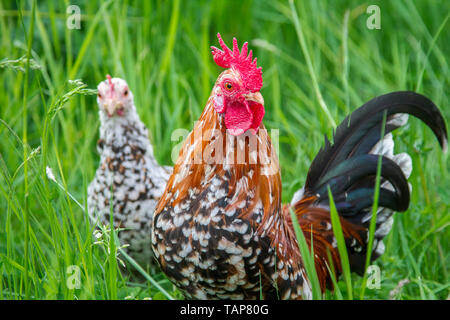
(208, 232)
(128, 168)
(206, 247)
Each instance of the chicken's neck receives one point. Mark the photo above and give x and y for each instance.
(246, 164)
(118, 131)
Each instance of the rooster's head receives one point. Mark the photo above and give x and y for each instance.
(114, 97)
(236, 93)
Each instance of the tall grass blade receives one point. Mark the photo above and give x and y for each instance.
(342, 248)
(307, 259)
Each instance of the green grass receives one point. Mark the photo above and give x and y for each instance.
(320, 61)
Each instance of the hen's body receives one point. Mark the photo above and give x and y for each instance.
(128, 182)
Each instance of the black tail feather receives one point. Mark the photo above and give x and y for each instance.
(342, 178)
(360, 131)
(349, 170)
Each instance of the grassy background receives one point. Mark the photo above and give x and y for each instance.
(320, 61)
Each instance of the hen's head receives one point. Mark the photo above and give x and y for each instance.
(114, 97)
(236, 93)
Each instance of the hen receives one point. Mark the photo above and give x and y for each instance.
(128, 181)
(220, 230)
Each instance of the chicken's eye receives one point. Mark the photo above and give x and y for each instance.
(125, 93)
(228, 86)
(99, 95)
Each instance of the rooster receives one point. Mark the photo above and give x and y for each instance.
(220, 230)
(128, 182)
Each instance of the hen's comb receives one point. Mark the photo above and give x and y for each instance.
(111, 85)
(225, 58)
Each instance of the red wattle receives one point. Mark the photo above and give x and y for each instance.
(238, 117)
(258, 114)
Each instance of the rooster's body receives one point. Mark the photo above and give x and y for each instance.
(220, 230)
(129, 182)
(206, 235)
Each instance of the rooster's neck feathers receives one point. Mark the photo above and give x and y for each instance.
(195, 167)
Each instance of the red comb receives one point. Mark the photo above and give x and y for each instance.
(111, 85)
(225, 58)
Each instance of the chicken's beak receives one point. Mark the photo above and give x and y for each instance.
(112, 106)
(255, 97)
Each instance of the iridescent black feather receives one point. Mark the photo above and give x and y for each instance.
(348, 167)
(360, 131)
